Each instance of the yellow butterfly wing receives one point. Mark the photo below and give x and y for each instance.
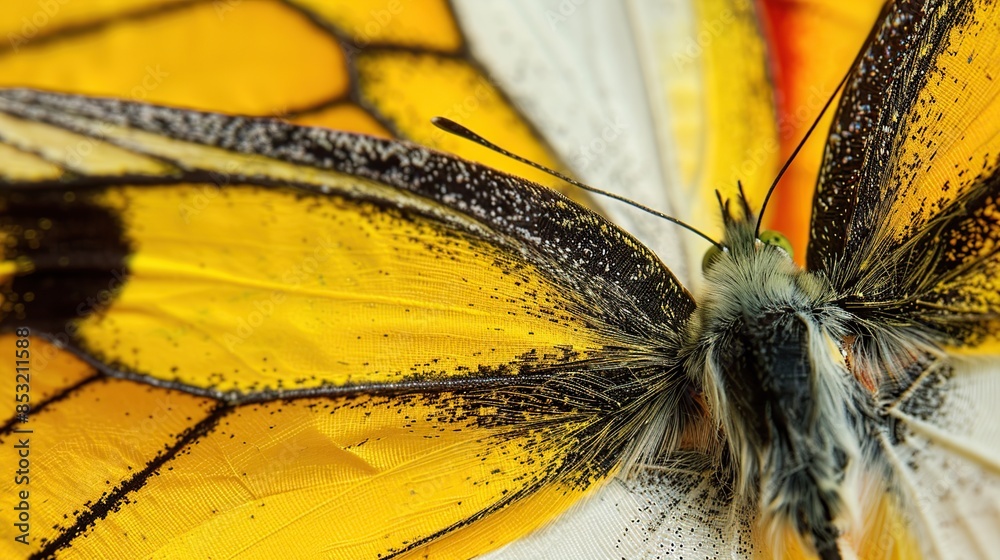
(905, 208)
(905, 227)
(406, 359)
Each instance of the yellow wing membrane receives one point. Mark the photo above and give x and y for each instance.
(323, 329)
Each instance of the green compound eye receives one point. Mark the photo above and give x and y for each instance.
(711, 255)
(776, 239)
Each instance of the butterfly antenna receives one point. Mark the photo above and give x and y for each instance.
(453, 127)
(791, 158)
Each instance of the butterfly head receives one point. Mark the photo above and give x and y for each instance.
(741, 235)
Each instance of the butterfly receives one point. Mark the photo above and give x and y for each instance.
(601, 356)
